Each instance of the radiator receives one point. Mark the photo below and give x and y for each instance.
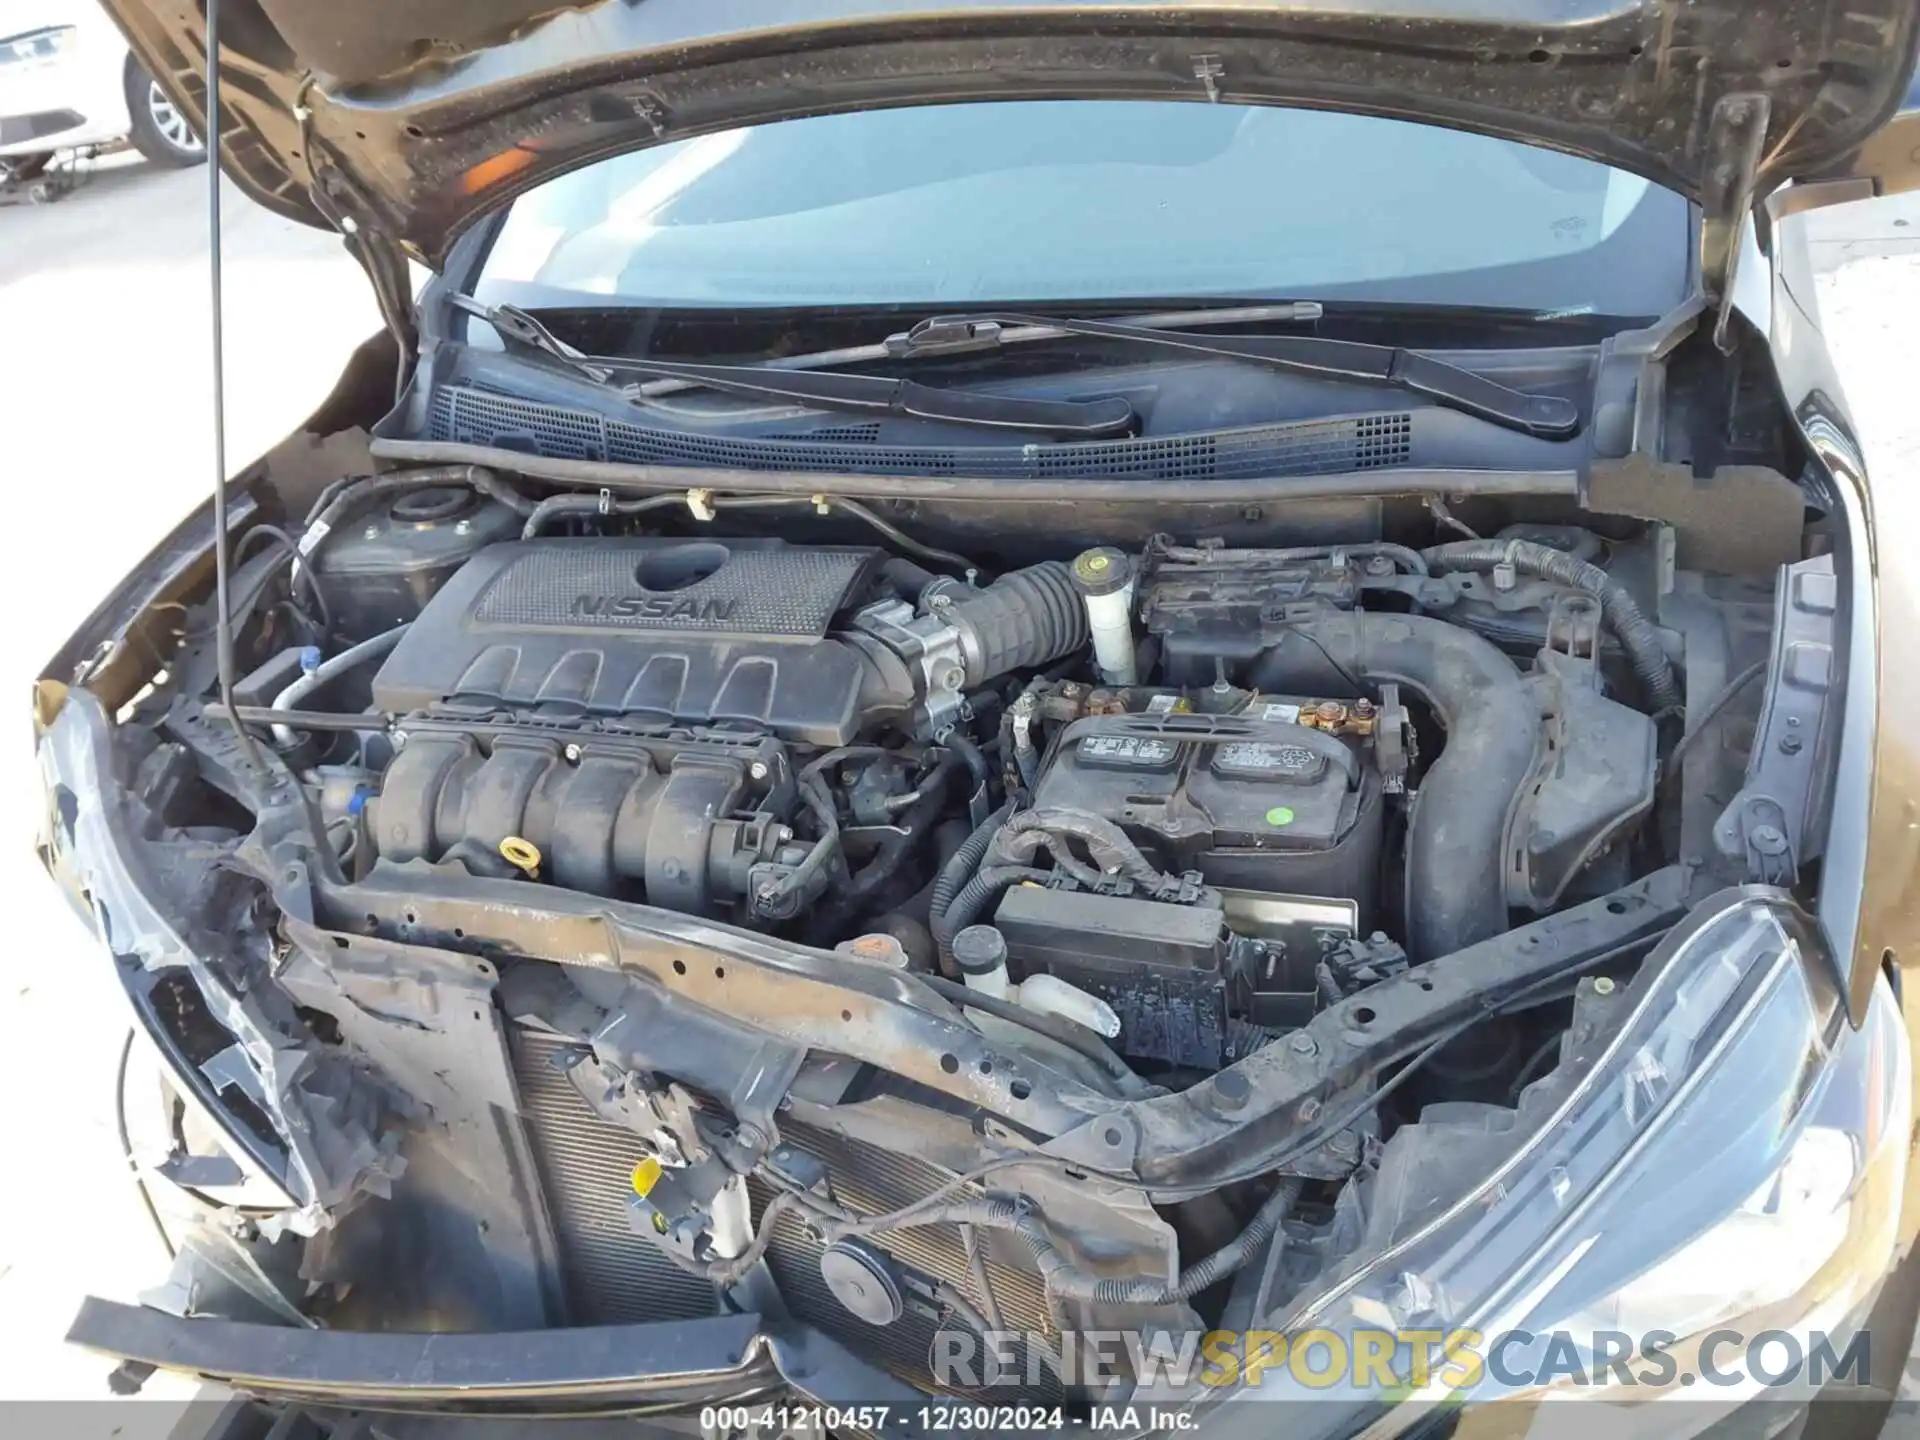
(612, 1276)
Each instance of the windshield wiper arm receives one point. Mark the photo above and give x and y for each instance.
(822, 389)
(1550, 416)
(995, 337)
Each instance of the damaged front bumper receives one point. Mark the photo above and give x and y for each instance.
(166, 908)
(302, 1131)
(305, 1144)
(605, 1369)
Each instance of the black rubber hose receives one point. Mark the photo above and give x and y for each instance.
(965, 861)
(1455, 891)
(945, 559)
(1075, 1037)
(1023, 620)
(975, 760)
(1635, 632)
(907, 830)
(811, 784)
(1712, 712)
(947, 837)
(825, 850)
(914, 937)
(904, 577)
(303, 574)
(573, 503)
(967, 907)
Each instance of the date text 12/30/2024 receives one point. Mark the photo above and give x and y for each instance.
(936, 1418)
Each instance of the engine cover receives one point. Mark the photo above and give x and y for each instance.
(643, 632)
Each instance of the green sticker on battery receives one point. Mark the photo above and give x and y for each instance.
(1280, 815)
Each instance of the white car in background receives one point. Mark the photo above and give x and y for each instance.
(69, 83)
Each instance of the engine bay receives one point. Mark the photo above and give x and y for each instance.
(1198, 825)
(1143, 930)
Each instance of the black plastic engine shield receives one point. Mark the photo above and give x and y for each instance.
(648, 630)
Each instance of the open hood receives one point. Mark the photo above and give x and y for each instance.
(408, 119)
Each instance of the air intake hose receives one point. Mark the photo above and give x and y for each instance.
(1634, 631)
(1455, 895)
(1024, 619)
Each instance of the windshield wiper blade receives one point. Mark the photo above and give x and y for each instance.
(995, 337)
(822, 389)
(1549, 416)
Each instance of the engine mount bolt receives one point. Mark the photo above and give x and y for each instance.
(1790, 744)
(1301, 1043)
(758, 770)
(1309, 1111)
(1231, 1090)
(572, 752)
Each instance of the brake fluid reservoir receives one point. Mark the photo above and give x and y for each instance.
(1104, 578)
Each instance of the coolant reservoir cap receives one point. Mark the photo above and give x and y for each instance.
(980, 950)
(1102, 571)
(862, 1279)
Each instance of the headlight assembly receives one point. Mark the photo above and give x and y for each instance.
(1728, 1170)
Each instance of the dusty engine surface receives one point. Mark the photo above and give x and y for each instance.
(1133, 823)
(1274, 812)
(1281, 796)
(648, 718)
(1206, 767)
(641, 632)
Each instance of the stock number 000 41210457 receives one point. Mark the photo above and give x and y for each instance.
(879, 1419)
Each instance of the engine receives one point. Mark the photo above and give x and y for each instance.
(1025, 938)
(650, 718)
(1217, 807)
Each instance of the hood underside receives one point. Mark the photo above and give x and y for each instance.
(415, 117)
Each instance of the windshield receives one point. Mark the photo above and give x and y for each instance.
(964, 205)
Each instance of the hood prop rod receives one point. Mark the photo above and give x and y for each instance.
(223, 616)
